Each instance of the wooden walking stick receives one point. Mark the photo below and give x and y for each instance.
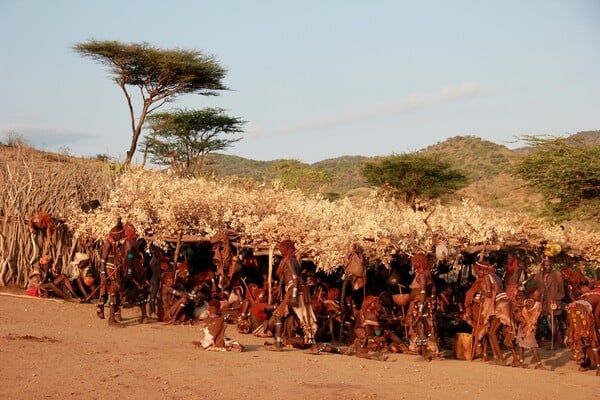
(477, 330)
(403, 315)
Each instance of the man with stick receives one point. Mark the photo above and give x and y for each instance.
(110, 272)
(550, 284)
(480, 304)
(294, 296)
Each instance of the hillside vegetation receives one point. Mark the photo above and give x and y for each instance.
(486, 164)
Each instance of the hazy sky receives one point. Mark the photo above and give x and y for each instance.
(314, 79)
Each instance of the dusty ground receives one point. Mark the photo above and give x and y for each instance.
(58, 350)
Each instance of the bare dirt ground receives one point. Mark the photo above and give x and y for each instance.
(51, 349)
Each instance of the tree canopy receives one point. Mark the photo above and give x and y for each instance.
(183, 138)
(414, 175)
(565, 170)
(296, 175)
(161, 75)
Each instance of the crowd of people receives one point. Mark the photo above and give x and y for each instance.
(410, 309)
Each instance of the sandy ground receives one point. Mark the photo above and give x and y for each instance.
(60, 350)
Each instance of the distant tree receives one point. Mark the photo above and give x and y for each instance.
(296, 175)
(565, 170)
(183, 138)
(160, 75)
(65, 150)
(413, 176)
(15, 139)
(102, 157)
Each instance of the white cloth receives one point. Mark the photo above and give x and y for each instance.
(72, 271)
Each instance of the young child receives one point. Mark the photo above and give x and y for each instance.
(359, 347)
(527, 326)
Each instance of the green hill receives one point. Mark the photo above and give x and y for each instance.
(486, 164)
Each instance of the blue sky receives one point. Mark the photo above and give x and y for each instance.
(314, 79)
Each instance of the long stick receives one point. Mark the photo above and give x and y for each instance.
(25, 296)
(403, 315)
(270, 273)
(552, 328)
(477, 327)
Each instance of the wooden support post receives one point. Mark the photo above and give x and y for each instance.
(177, 249)
(270, 274)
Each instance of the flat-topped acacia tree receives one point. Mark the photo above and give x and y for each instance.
(160, 74)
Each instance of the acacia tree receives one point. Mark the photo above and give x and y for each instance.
(296, 175)
(160, 75)
(183, 138)
(412, 176)
(566, 171)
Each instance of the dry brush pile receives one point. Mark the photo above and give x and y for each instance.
(41, 188)
(162, 206)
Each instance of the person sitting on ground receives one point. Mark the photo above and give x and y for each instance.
(81, 276)
(213, 331)
(360, 347)
(256, 314)
(43, 282)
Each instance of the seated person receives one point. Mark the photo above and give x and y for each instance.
(213, 331)
(81, 276)
(360, 347)
(42, 281)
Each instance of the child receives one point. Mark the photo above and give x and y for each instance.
(527, 325)
(359, 347)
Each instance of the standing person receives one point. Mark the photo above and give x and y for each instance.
(512, 276)
(480, 304)
(551, 286)
(422, 332)
(154, 279)
(293, 295)
(134, 283)
(527, 320)
(110, 271)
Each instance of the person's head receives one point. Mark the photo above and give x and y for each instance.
(420, 262)
(482, 268)
(546, 266)
(129, 232)
(82, 260)
(261, 297)
(360, 333)
(89, 280)
(510, 257)
(536, 295)
(167, 278)
(117, 232)
(45, 261)
(155, 251)
(287, 247)
(333, 294)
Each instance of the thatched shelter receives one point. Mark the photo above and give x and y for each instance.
(165, 207)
